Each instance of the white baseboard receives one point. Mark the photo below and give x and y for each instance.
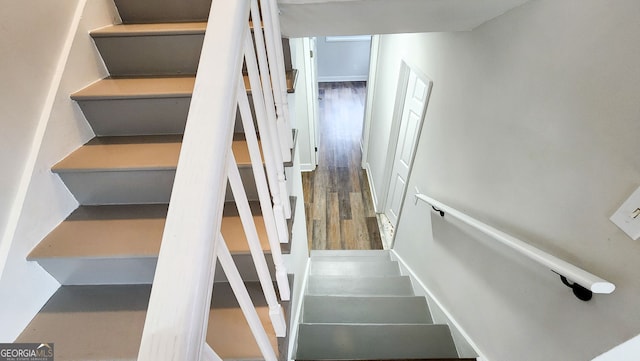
(337, 79)
(415, 280)
(307, 167)
(372, 189)
(297, 314)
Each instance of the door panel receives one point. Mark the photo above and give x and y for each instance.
(417, 94)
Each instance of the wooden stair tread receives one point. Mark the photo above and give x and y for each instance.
(152, 87)
(157, 152)
(142, 88)
(106, 323)
(127, 231)
(185, 28)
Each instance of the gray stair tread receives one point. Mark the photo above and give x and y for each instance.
(350, 253)
(151, 87)
(106, 322)
(118, 231)
(382, 258)
(354, 268)
(341, 309)
(153, 152)
(150, 29)
(373, 342)
(359, 286)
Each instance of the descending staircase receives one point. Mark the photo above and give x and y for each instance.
(104, 254)
(357, 306)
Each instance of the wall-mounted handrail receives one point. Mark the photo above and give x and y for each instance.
(565, 269)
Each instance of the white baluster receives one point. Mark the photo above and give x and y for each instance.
(267, 132)
(242, 295)
(208, 354)
(276, 56)
(263, 194)
(242, 203)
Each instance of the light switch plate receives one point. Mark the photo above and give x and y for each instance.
(627, 217)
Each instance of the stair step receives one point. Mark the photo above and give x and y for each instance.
(359, 286)
(154, 11)
(354, 268)
(106, 323)
(172, 28)
(341, 309)
(151, 49)
(97, 172)
(374, 342)
(119, 244)
(142, 105)
(349, 254)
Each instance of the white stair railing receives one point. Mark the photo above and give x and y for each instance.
(260, 81)
(263, 194)
(276, 62)
(178, 313)
(242, 203)
(233, 275)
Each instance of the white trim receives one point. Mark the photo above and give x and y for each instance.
(371, 83)
(341, 78)
(307, 167)
(344, 38)
(25, 180)
(311, 85)
(297, 314)
(396, 121)
(372, 189)
(446, 312)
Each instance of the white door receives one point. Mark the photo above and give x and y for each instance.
(416, 96)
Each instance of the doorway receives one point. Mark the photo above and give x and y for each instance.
(338, 204)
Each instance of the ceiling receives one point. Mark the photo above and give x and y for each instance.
(300, 18)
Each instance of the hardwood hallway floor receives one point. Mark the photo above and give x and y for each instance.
(337, 200)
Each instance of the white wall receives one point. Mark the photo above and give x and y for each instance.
(343, 60)
(54, 68)
(31, 39)
(533, 127)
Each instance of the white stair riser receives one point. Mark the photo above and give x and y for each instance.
(355, 268)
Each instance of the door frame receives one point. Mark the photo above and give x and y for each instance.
(403, 81)
(311, 82)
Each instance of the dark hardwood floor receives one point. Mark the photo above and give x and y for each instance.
(337, 200)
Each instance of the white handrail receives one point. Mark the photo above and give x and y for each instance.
(178, 313)
(587, 280)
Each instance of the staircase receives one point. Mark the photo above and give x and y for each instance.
(105, 253)
(357, 306)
